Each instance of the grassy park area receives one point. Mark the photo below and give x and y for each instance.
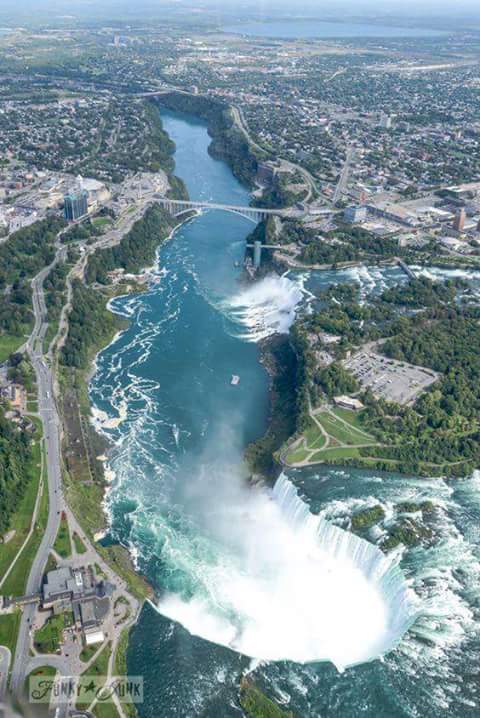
(332, 433)
(9, 625)
(14, 584)
(9, 344)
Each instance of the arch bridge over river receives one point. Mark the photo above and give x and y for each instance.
(177, 207)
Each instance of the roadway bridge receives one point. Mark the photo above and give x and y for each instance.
(255, 214)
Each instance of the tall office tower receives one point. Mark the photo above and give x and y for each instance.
(459, 221)
(76, 204)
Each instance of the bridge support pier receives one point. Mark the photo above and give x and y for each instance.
(257, 253)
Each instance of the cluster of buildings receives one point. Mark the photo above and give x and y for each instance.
(420, 127)
(450, 216)
(30, 194)
(86, 196)
(78, 590)
(98, 134)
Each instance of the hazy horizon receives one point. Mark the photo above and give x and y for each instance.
(54, 10)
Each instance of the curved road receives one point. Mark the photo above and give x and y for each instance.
(48, 413)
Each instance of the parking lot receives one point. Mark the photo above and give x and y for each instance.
(390, 379)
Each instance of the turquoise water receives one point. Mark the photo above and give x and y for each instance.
(294, 29)
(173, 502)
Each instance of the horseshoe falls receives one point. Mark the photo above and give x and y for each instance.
(310, 591)
(265, 581)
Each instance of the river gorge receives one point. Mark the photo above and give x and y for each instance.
(249, 579)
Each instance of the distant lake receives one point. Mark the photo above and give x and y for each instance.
(320, 29)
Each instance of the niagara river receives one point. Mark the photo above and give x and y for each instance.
(270, 582)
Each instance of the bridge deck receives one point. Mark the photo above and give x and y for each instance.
(248, 211)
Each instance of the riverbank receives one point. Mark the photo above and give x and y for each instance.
(92, 327)
(280, 361)
(228, 142)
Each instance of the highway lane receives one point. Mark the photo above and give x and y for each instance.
(47, 411)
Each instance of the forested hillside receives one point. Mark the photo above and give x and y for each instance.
(136, 250)
(22, 256)
(15, 456)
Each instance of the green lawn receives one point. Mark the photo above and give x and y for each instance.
(345, 434)
(88, 652)
(63, 545)
(296, 456)
(9, 625)
(9, 343)
(101, 221)
(40, 672)
(105, 710)
(21, 519)
(98, 670)
(17, 579)
(79, 545)
(314, 437)
(351, 417)
(48, 638)
(342, 452)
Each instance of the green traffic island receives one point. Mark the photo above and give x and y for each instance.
(78, 543)
(107, 710)
(87, 652)
(55, 291)
(51, 564)
(257, 705)
(35, 681)
(48, 638)
(63, 544)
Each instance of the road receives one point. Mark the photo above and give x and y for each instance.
(47, 411)
(312, 188)
(44, 367)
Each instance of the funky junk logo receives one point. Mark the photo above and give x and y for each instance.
(85, 690)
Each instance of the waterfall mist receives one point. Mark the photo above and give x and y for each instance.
(274, 582)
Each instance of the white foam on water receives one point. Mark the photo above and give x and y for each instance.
(302, 589)
(266, 307)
